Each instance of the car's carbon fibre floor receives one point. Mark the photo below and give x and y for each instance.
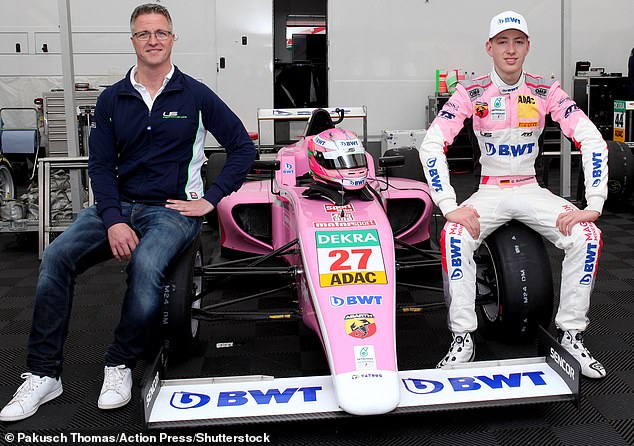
(286, 348)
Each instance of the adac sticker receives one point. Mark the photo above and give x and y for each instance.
(360, 325)
(527, 108)
(350, 258)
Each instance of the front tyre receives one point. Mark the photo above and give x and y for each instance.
(514, 283)
(182, 293)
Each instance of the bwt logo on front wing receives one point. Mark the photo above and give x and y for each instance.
(474, 383)
(189, 400)
(509, 149)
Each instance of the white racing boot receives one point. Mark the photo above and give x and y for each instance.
(461, 350)
(572, 341)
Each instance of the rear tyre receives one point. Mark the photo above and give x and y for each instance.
(515, 280)
(182, 293)
(7, 180)
(620, 171)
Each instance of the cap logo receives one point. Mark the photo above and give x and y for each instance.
(509, 19)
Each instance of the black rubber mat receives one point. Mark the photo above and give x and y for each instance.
(605, 414)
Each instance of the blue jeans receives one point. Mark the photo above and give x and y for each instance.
(163, 233)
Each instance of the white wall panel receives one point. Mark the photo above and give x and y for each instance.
(384, 54)
(603, 33)
(246, 82)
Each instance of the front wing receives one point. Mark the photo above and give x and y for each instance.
(257, 399)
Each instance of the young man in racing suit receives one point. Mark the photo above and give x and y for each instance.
(508, 107)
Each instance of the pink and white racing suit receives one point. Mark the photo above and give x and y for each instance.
(507, 121)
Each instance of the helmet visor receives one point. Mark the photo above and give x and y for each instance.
(349, 161)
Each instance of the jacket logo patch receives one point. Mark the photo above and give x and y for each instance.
(527, 108)
(481, 109)
(498, 108)
(173, 115)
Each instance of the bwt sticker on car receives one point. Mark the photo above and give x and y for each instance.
(350, 258)
(360, 325)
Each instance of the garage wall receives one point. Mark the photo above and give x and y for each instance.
(603, 33)
(101, 44)
(382, 54)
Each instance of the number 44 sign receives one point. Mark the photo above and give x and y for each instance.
(622, 109)
(349, 258)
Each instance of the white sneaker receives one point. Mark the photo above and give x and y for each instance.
(117, 387)
(33, 392)
(462, 349)
(572, 341)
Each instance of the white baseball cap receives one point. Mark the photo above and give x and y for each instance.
(507, 20)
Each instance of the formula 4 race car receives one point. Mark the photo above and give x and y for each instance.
(345, 233)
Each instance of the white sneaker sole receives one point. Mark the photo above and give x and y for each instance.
(54, 394)
(105, 406)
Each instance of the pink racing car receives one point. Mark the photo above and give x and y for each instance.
(344, 231)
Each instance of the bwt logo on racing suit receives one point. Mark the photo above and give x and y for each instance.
(596, 168)
(570, 110)
(509, 149)
(433, 173)
(473, 383)
(188, 400)
(591, 261)
(456, 258)
(445, 114)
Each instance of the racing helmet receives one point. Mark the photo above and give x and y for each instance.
(337, 156)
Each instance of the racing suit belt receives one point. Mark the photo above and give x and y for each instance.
(508, 181)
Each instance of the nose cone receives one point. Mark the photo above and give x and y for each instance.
(368, 393)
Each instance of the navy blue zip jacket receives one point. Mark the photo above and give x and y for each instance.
(138, 155)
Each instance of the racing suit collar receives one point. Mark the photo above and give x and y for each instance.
(503, 87)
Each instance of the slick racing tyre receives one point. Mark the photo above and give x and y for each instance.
(7, 180)
(215, 163)
(514, 283)
(620, 175)
(620, 171)
(182, 293)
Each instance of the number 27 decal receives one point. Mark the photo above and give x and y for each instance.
(342, 256)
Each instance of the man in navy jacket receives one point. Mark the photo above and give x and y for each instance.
(146, 152)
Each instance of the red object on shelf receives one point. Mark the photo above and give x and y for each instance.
(253, 135)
